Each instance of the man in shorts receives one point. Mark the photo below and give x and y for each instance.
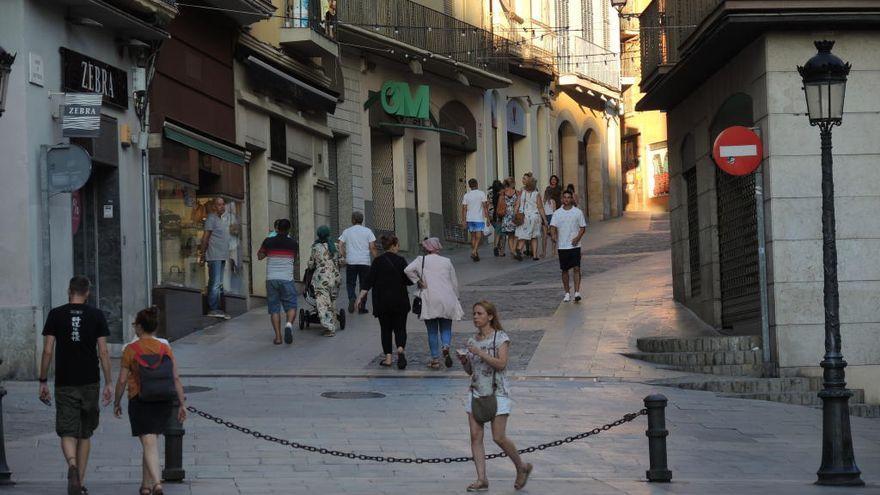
(567, 228)
(280, 250)
(77, 332)
(475, 211)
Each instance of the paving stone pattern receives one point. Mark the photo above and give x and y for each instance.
(418, 355)
(643, 242)
(513, 303)
(548, 271)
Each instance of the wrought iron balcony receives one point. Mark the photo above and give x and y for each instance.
(665, 26)
(583, 58)
(308, 30)
(411, 23)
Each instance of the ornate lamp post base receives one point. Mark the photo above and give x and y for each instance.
(838, 460)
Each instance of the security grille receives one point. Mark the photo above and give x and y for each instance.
(690, 178)
(738, 246)
(294, 217)
(511, 162)
(453, 170)
(383, 185)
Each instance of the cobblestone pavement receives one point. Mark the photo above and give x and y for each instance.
(567, 376)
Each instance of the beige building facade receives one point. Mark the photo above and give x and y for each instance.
(715, 243)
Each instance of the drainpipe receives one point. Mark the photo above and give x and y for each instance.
(762, 264)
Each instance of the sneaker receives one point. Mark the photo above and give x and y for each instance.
(577, 297)
(288, 334)
(351, 306)
(225, 316)
(215, 313)
(567, 297)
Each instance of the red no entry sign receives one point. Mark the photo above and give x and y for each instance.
(738, 150)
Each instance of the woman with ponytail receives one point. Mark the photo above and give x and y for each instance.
(149, 372)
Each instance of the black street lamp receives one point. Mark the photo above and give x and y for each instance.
(824, 78)
(6, 60)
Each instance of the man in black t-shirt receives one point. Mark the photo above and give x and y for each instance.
(78, 332)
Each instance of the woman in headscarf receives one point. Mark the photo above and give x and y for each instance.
(439, 292)
(324, 260)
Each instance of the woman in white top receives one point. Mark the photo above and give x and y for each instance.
(533, 218)
(486, 362)
(552, 201)
(436, 278)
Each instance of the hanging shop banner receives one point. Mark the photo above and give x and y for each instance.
(83, 74)
(516, 118)
(82, 115)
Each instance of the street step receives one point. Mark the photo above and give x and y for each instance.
(708, 358)
(747, 385)
(699, 344)
(799, 398)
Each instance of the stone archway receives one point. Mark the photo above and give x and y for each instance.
(570, 167)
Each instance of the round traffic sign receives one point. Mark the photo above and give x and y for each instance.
(738, 150)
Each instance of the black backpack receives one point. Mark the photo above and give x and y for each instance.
(156, 375)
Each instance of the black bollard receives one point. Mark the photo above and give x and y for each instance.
(657, 433)
(174, 432)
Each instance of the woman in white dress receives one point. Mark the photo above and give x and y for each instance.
(530, 205)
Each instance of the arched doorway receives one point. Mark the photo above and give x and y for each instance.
(592, 186)
(454, 150)
(737, 231)
(570, 161)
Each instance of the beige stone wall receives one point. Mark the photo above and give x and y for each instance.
(794, 185)
(766, 71)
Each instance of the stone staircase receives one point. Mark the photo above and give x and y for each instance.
(732, 367)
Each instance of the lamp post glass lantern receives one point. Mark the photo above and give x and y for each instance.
(824, 77)
(618, 4)
(6, 60)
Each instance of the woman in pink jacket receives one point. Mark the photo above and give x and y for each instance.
(439, 291)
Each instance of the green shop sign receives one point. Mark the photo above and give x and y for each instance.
(397, 100)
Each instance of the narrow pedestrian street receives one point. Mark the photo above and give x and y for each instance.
(569, 373)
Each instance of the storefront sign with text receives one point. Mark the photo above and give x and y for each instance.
(83, 74)
(397, 99)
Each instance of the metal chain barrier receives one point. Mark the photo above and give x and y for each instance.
(410, 460)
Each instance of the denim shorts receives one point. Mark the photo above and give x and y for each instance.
(476, 226)
(281, 295)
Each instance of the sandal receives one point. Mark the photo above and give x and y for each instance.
(478, 486)
(384, 363)
(522, 477)
(434, 364)
(277, 341)
(157, 489)
(145, 491)
(447, 359)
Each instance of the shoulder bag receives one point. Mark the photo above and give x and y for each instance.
(417, 301)
(485, 407)
(520, 216)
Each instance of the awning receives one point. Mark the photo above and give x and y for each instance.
(207, 145)
(114, 19)
(299, 90)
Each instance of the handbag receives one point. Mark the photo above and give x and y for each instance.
(417, 301)
(484, 408)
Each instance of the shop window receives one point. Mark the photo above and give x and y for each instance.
(181, 218)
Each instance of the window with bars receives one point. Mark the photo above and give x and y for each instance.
(693, 219)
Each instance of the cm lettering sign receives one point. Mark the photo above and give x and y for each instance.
(397, 100)
(82, 74)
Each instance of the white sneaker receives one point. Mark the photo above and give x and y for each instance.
(567, 297)
(577, 297)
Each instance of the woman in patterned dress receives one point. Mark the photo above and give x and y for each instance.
(324, 260)
(508, 196)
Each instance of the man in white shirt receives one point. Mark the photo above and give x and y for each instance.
(475, 211)
(357, 245)
(567, 228)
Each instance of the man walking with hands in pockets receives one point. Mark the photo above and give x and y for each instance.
(567, 228)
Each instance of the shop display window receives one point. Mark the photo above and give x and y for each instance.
(181, 213)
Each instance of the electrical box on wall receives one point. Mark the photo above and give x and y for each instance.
(138, 79)
(125, 135)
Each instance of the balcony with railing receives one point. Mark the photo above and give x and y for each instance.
(433, 35)
(307, 30)
(585, 59)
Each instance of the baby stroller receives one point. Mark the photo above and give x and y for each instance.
(307, 317)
